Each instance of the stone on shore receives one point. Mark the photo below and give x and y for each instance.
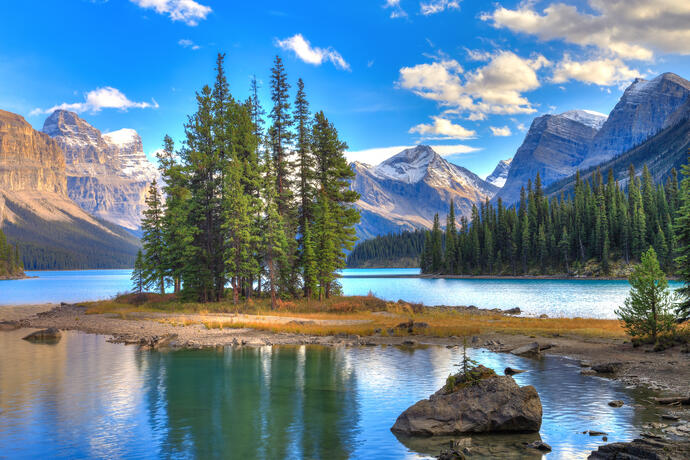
(616, 403)
(607, 368)
(491, 404)
(530, 350)
(45, 335)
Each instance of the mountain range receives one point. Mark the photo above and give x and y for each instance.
(70, 191)
(648, 126)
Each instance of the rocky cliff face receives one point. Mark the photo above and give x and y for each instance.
(554, 147)
(405, 191)
(29, 160)
(500, 174)
(107, 174)
(36, 212)
(645, 108)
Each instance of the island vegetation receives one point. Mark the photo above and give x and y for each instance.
(11, 266)
(266, 210)
(600, 230)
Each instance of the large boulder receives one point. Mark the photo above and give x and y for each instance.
(45, 335)
(488, 405)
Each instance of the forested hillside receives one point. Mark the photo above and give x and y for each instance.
(400, 250)
(68, 244)
(583, 233)
(10, 260)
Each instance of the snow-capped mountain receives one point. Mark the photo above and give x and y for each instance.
(406, 190)
(500, 174)
(107, 174)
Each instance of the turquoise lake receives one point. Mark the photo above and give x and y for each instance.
(87, 398)
(563, 298)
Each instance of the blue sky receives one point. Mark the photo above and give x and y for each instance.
(468, 77)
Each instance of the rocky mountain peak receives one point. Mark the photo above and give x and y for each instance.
(107, 174)
(644, 109)
(408, 166)
(500, 173)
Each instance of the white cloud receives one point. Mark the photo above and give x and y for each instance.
(602, 72)
(187, 11)
(185, 43)
(629, 29)
(438, 6)
(312, 55)
(396, 9)
(501, 132)
(98, 99)
(442, 129)
(377, 155)
(495, 88)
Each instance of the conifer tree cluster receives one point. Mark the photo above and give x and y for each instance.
(601, 221)
(261, 209)
(10, 261)
(391, 250)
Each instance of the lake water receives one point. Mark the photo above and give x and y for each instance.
(86, 398)
(565, 298)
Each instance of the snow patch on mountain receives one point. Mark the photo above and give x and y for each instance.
(121, 137)
(500, 174)
(586, 117)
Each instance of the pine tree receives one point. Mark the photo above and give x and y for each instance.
(310, 265)
(450, 251)
(138, 277)
(306, 173)
(436, 246)
(333, 175)
(281, 136)
(326, 246)
(153, 240)
(682, 231)
(274, 245)
(647, 309)
(177, 235)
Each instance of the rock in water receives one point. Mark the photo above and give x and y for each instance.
(492, 404)
(45, 335)
(643, 449)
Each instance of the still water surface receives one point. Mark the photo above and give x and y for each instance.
(86, 398)
(566, 298)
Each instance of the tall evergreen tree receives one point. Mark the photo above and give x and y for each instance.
(682, 230)
(153, 239)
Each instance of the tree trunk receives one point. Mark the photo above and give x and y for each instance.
(162, 285)
(271, 281)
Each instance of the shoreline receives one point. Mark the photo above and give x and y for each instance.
(667, 371)
(497, 277)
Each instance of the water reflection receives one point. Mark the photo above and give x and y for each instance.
(84, 397)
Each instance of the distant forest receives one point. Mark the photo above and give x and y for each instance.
(10, 261)
(597, 224)
(400, 250)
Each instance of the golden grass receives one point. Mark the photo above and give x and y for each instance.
(372, 316)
